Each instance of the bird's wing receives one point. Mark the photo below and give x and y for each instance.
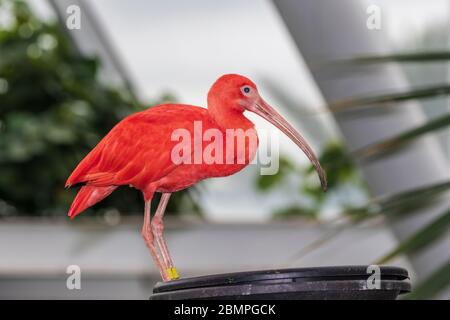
(138, 149)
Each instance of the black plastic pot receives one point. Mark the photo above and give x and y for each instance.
(322, 283)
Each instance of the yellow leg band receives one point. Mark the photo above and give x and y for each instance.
(172, 273)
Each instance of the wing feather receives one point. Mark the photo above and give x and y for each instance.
(137, 150)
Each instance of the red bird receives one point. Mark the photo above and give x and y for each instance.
(144, 151)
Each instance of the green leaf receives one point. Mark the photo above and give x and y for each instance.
(399, 203)
(421, 238)
(266, 182)
(417, 93)
(433, 284)
(389, 144)
(404, 57)
(295, 211)
(412, 199)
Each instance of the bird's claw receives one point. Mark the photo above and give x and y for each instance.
(172, 273)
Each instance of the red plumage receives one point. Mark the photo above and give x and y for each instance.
(141, 151)
(87, 197)
(137, 152)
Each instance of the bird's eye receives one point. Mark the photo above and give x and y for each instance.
(246, 89)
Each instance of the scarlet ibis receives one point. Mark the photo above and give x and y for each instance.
(138, 152)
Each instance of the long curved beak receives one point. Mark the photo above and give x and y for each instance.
(264, 110)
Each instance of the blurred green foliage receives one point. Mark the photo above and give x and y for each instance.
(267, 182)
(341, 175)
(53, 110)
(339, 166)
(438, 125)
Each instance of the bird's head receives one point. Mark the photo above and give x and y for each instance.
(235, 93)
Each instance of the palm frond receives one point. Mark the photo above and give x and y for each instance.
(400, 202)
(433, 284)
(421, 238)
(421, 57)
(416, 93)
(395, 142)
(393, 205)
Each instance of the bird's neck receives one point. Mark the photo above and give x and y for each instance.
(235, 126)
(230, 118)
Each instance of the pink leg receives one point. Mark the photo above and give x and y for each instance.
(147, 234)
(158, 229)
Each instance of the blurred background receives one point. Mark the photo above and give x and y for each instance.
(366, 82)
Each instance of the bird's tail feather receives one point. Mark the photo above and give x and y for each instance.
(87, 197)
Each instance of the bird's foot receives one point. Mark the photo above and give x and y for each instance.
(172, 273)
